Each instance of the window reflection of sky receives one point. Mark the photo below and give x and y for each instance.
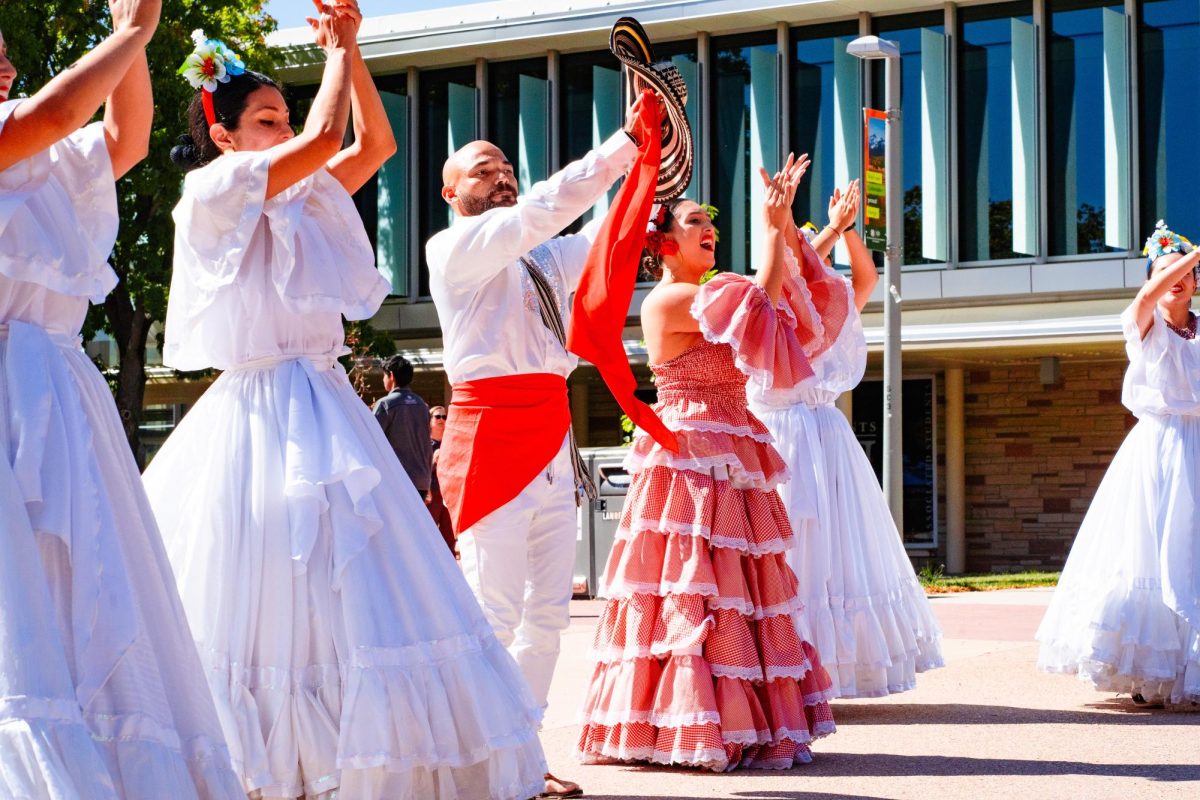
(908, 39)
(986, 125)
(1170, 46)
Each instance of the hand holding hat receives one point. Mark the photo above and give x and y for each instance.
(629, 43)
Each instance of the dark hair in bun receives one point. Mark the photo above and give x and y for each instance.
(196, 148)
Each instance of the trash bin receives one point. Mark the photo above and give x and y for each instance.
(599, 519)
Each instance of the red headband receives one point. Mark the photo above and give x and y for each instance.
(210, 113)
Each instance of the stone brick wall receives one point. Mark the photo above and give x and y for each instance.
(1034, 457)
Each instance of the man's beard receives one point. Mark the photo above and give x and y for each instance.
(474, 206)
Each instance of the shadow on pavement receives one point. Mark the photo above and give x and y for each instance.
(1120, 711)
(756, 795)
(890, 764)
(863, 765)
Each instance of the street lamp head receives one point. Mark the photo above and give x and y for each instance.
(872, 47)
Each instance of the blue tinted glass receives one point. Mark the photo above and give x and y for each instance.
(813, 110)
(1170, 93)
(1075, 121)
(985, 194)
(437, 108)
(909, 41)
(733, 164)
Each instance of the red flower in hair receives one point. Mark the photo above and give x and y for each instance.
(659, 245)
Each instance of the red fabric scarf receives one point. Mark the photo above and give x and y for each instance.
(500, 433)
(606, 286)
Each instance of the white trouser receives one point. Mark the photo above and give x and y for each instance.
(519, 561)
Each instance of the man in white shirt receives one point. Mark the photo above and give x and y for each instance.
(502, 284)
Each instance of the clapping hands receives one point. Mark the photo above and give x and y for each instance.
(781, 190)
(336, 24)
(843, 206)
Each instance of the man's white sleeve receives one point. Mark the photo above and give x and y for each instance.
(475, 248)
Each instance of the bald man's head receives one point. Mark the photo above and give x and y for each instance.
(478, 178)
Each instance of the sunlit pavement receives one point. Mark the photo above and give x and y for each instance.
(987, 725)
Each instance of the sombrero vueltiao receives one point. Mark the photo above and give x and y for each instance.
(629, 43)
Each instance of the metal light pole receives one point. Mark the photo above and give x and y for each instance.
(871, 48)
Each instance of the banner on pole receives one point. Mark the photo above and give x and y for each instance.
(875, 190)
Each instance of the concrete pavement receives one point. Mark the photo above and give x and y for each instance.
(988, 725)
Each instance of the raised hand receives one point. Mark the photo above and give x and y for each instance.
(135, 15)
(781, 189)
(336, 25)
(843, 206)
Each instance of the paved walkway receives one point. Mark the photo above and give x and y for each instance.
(988, 725)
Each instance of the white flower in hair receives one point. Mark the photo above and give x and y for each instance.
(210, 64)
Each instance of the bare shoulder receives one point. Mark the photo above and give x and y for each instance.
(667, 298)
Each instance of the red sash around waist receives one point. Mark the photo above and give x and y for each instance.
(500, 433)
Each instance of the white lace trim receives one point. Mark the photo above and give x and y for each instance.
(751, 674)
(707, 758)
(723, 467)
(704, 426)
(696, 529)
(656, 718)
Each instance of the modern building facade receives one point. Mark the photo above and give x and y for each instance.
(1042, 139)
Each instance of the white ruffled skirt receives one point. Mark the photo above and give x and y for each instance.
(343, 646)
(864, 608)
(101, 692)
(1126, 613)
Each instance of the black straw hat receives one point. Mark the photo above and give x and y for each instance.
(629, 43)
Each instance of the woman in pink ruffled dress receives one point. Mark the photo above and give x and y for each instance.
(698, 661)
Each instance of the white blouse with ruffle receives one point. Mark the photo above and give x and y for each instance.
(259, 278)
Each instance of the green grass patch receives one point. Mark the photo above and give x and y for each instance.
(935, 582)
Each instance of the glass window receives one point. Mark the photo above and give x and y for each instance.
(518, 121)
(1088, 125)
(384, 200)
(447, 120)
(997, 132)
(590, 100)
(923, 110)
(745, 136)
(826, 116)
(1170, 90)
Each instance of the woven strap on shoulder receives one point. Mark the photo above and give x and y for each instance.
(552, 319)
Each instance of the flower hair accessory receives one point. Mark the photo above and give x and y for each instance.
(210, 64)
(1164, 241)
(808, 231)
(658, 218)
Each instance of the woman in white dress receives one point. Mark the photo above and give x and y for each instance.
(1126, 613)
(864, 608)
(101, 692)
(346, 654)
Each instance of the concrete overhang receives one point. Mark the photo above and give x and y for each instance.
(519, 28)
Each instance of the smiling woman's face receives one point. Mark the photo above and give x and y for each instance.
(693, 231)
(8, 73)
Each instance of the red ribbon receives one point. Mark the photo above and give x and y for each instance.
(210, 113)
(606, 286)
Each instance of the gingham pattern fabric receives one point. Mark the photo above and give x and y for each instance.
(697, 659)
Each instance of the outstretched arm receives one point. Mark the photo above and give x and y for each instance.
(484, 244)
(72, 97)
(325, 128)
(1159, 284)
(374, 142)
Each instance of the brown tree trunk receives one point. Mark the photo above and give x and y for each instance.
(130, 328)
